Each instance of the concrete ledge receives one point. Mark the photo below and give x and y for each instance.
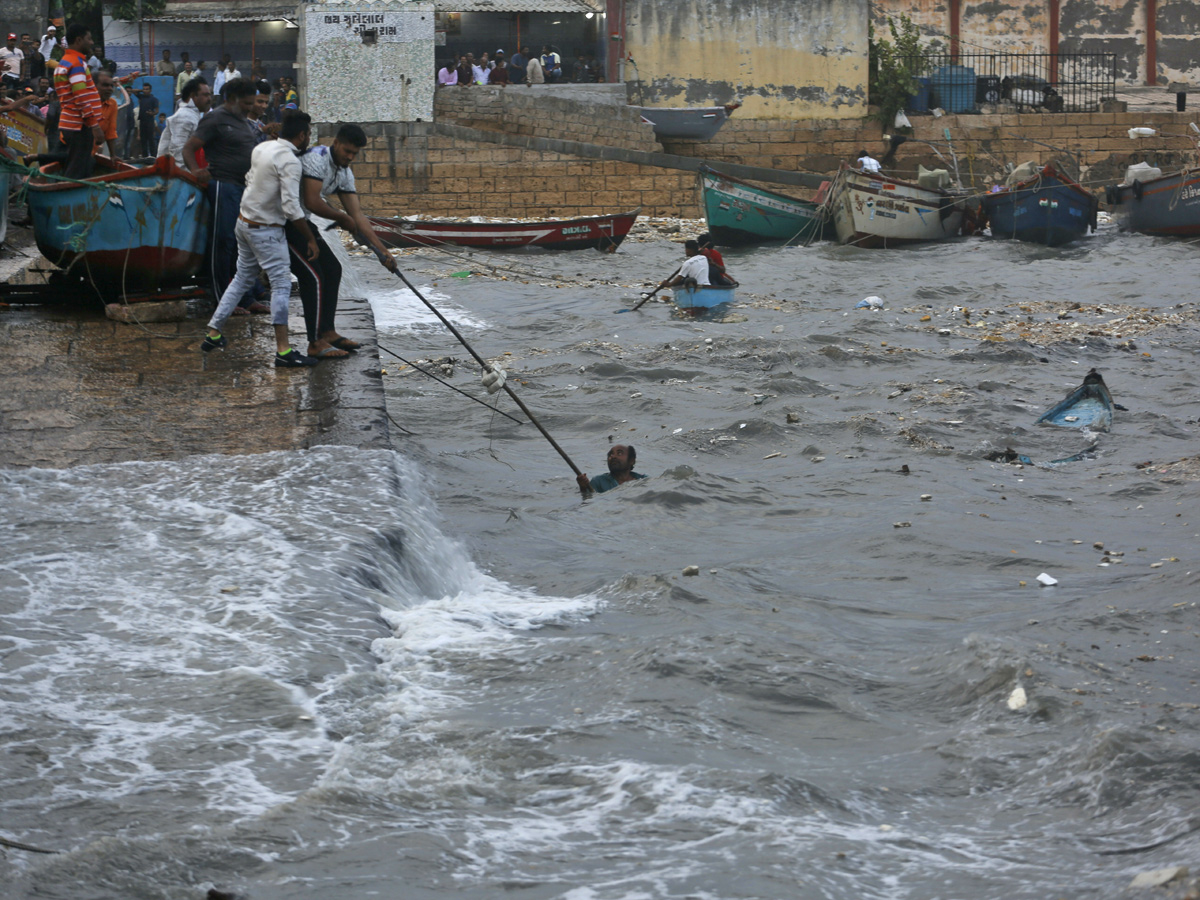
(84, 389)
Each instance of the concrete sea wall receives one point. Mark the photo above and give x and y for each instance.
(505, 152)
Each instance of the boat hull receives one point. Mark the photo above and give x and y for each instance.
(877, 211)
(138, 228)
(1088, 406)
(586, 233)
(702, 296)
(739, 213)
(1050, 209)
(1166, 206)
(684, 123)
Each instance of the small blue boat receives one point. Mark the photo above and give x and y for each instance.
(1088, 406)
(1050, 209)
(139, 229)
(702, 296)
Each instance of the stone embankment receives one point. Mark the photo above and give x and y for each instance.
(81, 388)
(514, 152)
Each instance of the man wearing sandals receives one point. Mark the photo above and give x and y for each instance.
(327, 171)
(271, 201)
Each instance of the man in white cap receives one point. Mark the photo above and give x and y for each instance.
(49, 42)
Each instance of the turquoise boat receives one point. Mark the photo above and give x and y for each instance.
(1088, 406)
(138, 229)
(739, 213)
(702, 296)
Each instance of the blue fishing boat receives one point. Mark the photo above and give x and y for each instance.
(1167, 205)
(139, 229)
(1088, 406)
(1050, 208)
(702, 296)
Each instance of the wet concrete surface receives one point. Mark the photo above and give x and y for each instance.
(81, 388)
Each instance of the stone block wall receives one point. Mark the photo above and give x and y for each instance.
(527, 111)
(984, 144)
(413, 169)
(433, 174)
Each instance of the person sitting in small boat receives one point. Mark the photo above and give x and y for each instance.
(693, 271)
(867, 164)
(716, 262)
(621, 460)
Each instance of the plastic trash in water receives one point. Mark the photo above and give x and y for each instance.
(1017, 699)
(1047, 580)
(869, 303)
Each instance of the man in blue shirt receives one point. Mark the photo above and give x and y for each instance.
(621, 460)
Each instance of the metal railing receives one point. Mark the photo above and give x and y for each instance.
(1021, 82)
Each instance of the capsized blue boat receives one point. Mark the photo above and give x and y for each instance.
(1088, 406)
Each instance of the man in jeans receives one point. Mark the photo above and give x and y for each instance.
(271, 200)
(228, 139)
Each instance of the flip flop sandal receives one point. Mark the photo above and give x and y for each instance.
(330, 353)
(240, 311)
(344, 343)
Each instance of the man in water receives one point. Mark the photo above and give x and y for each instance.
(694, 268)
(621, 459)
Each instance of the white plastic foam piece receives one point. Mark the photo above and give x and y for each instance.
(1047, 580)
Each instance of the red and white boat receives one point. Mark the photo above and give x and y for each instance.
(590, 232)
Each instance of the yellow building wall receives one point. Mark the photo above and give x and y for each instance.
(780, 59)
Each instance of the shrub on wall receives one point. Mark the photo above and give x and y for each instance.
(894, 65)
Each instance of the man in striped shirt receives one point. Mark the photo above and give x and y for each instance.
(80, 120)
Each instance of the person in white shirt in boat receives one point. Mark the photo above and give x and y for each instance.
(867, 164)
(694, 269)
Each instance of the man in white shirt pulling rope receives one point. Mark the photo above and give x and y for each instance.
(271, 200)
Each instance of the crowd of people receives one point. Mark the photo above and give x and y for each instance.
(247, 143)
(524, 67)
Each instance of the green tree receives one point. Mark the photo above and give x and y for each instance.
(893, 66)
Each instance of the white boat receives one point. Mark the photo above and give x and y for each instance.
(703, 296)
(875, 210)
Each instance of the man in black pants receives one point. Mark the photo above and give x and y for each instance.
(228, 139)
(326, 170)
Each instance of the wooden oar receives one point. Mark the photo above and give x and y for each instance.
(479, 359)
(646, 297)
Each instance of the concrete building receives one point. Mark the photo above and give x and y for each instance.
(781, 60)
(1155, 41)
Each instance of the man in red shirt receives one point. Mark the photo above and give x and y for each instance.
(80, 120)
(108, 112)
(716, 262)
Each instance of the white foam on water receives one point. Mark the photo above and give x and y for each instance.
(399, 309)
(181, 634)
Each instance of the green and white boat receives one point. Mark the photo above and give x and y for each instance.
(739, 213)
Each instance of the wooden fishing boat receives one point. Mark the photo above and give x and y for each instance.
(739, 213)
(587, 233)
(1088, 406)
(137, 228)
(1167, 205)
(678, 123)
(1050, 208)
(875, 210)
(702, 296)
